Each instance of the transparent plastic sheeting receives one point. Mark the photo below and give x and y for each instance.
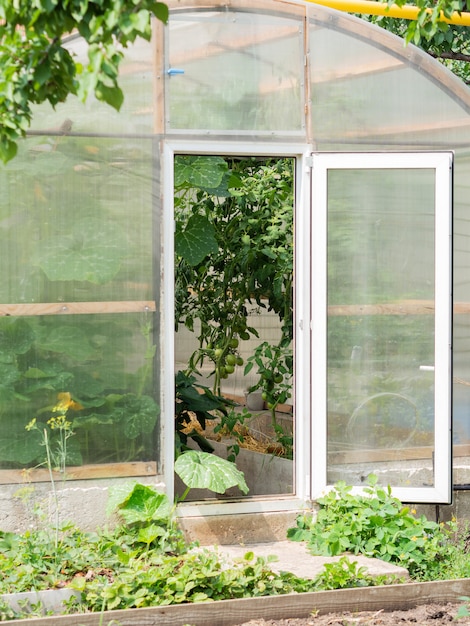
(79, 297)
(362, 94)
(235, 71)
(380, 356)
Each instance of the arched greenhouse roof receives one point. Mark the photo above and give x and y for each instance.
(278, 70)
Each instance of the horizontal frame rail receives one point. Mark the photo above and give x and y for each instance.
(77, 308)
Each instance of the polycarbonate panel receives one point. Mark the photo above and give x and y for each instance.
(97, 370)
(461, 353)
(364, 95)
(137, 113)
(380, 354)
(78, 295)
(76, 221)
(234, 71)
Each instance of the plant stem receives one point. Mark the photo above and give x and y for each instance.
(54, 492)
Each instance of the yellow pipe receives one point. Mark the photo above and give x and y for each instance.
(406, 12)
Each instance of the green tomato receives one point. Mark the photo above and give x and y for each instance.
(278, 378)
(239, 360)
(233, 343)
(229, 369)
(218, 353)
(231, 359)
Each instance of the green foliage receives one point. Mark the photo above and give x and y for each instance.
(141, 504)
(275, 368)
(193, 400)
(376, 525)
(92, 251)
(234, 246)
(428, 22)
(448, 43)
(345, 573)
(144, 562)
(37, 67)
(224, 259)
(43, 362)
(463, 610)
(202, 470)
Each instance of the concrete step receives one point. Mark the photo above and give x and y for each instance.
(295, 558)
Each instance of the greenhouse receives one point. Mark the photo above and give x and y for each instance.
(277, 214)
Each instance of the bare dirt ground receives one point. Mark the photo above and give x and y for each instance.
(424, 615)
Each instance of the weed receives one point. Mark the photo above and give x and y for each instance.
(377, 525)
(463, 610)
(345, 573)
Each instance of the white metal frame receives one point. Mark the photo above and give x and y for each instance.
(441, 163)
(302, 226)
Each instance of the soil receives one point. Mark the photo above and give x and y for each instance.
(424, 615)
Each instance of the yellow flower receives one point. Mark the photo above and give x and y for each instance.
(65, 403)
(59, 422)
(31, 424)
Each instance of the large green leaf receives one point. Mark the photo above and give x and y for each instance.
(141, 504)
(21, 447)
(202, 172)
(9, 374)
(196, 241)
(69, 340)
(16, 337)
(92, 252)
(140, 415)
(196, 401)
(202, 470)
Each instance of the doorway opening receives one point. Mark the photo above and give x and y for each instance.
(234, 315)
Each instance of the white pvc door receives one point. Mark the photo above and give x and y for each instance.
(381, 322)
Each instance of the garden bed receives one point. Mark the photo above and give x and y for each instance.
(300, 606)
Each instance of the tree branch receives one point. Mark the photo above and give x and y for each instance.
(454, 56)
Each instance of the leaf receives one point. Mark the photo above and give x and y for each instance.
(161, 11)
(111, 95)
(199, 401)
(69, 340)
(144, 504)
(8, 148)
(196, 241)
(202, 172)
(15, 338)
(92, 252)
(149, 533)
(201, 470)
(21, 448)
(140, 416)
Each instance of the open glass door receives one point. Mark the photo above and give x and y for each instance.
(381, 322)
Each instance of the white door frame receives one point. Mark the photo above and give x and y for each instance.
(302, 227)
(441, 162)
